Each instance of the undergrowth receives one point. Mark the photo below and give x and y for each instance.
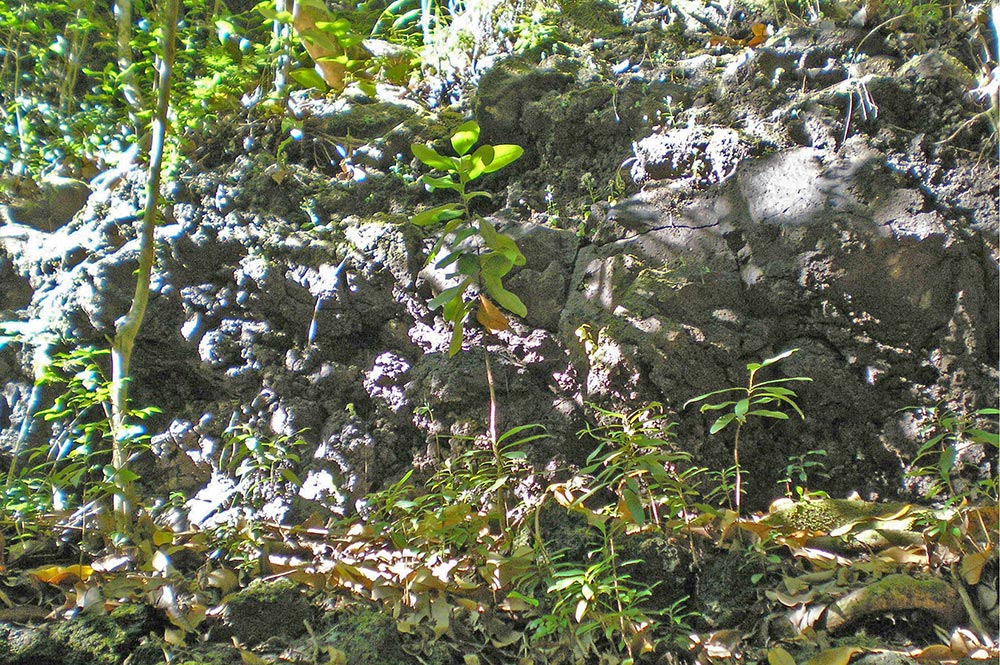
(467, 556)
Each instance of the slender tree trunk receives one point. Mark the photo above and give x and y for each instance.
(127, 328)
(73, 62)
(283, 62)
(123, 14)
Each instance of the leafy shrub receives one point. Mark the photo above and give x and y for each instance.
(485, 263)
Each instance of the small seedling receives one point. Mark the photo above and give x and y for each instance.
(483, 263)
(757, 400)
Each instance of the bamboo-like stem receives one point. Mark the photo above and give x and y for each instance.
(123, 16)
(127, 328)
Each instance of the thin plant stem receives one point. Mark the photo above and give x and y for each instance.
(494, 444)
(739, 474)
(493, 406)
(127, 328)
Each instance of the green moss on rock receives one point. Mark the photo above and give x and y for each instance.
(267, 609)
(368, 637)
(727, 591)
(213, 654)
(827, 514)
(88, 640)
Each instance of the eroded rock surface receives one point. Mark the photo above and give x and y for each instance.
(767, 212)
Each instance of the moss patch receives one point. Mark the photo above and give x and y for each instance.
(267, 609)
(368, 637)
(828, 514)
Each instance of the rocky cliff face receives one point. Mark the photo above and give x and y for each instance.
(825, 191)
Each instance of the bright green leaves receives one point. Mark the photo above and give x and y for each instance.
(464, 137)
(431, 158)
(480, 255)
(308, 78)
(480, 160)
(466, 167)
(502, 156)
(764, 393)
(336, 49)
(500, 243)
(943, 431)
(760, 399)
(443, 213)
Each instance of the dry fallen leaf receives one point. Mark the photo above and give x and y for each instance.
(173, 636)
(490, 317)
(896, 515)
(758, 37)
(934, 652)
(964, 642)
(758, 529)
(778, 656)
(60, 574)
(837, 656)
(794, 585)
(805, 617)
(972, 565)
(905, 555)
(759, 31)
(791, 600)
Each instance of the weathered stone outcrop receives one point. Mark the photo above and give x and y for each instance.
(291, 302)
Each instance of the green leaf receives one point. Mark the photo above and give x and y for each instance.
(431, 158)
(947, 461)
(341, 27)
(472, 195)
(464, 137)
(449, 259)
(290, 477)
(500, 243)
(494, 265)
(774, 359)
(267, 10)
(448, 295)
(502, 156)
(442, 213)
(440, 183)
(462, 235)
(456, 309)
(308, 78)
(481, 159)
(456, 338)
(778, 391)
(785, 380)
(453, 225)
(514, 431)
(409, 17)
(318, 38)
(503, 297)
(341, 59)
(721, 423)
(704, 396)
(765, 413)
(741, 407)
(715, 407)
(983, 436)
(630, 493)
(785, 400)
(468, 264)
